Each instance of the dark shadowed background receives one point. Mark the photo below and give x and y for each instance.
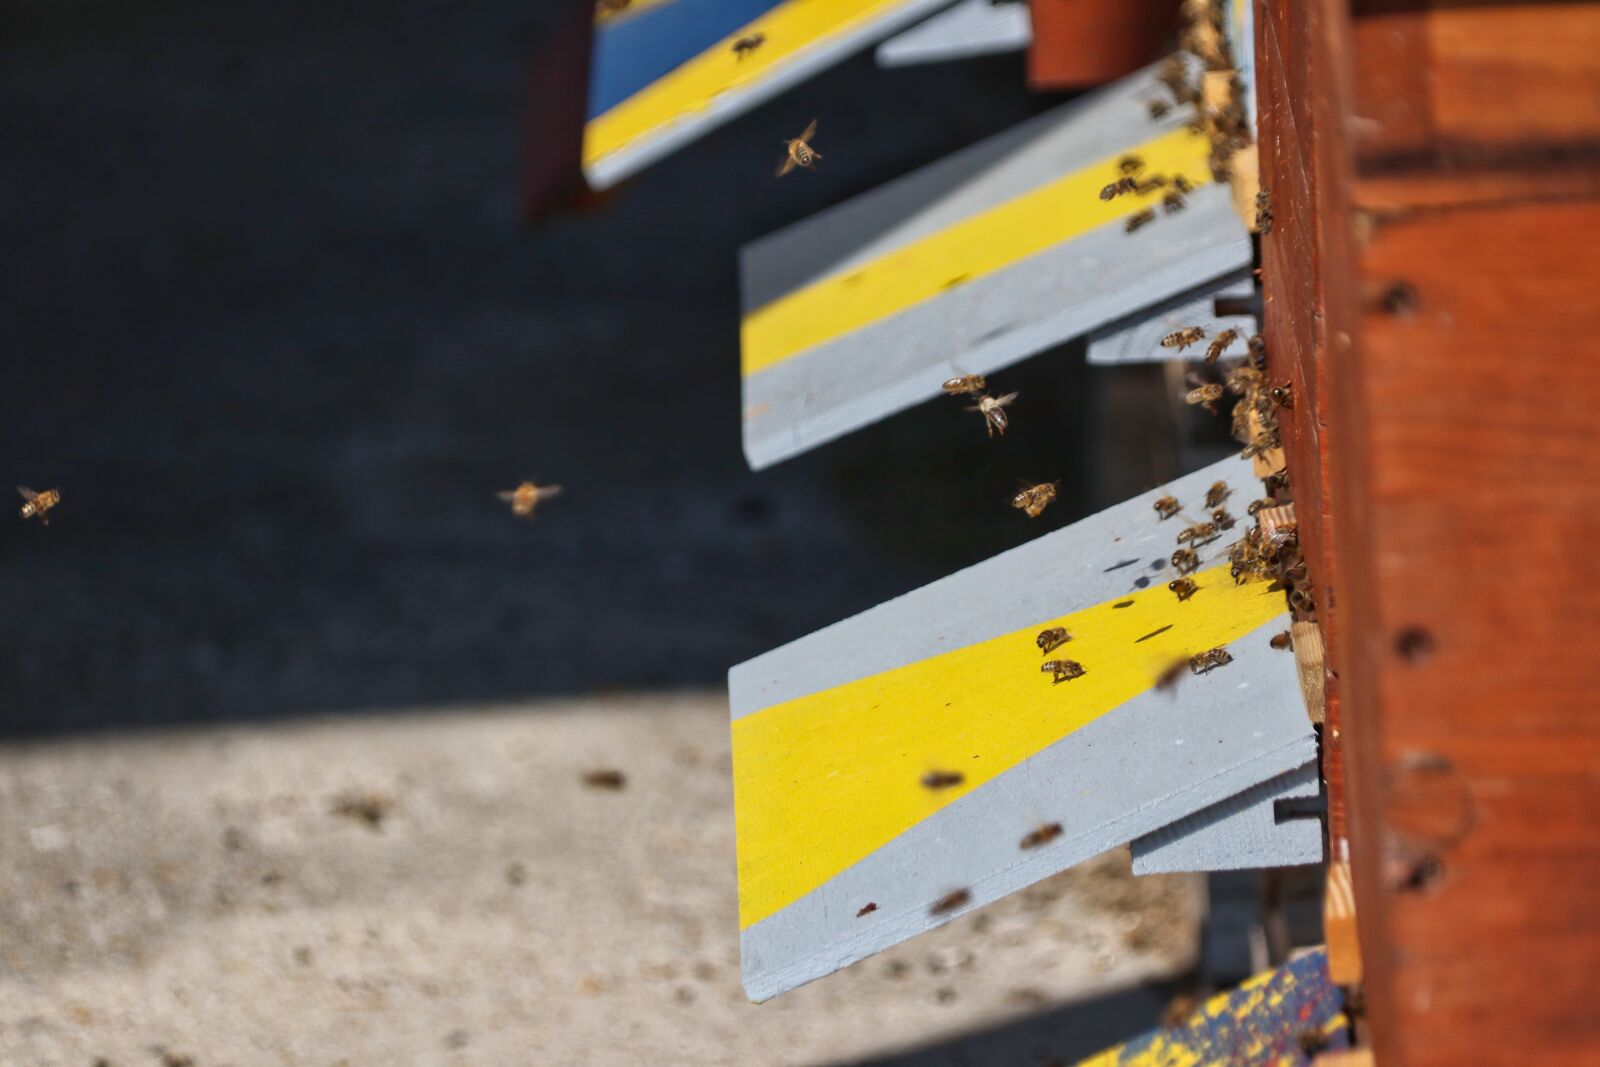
(275, 329)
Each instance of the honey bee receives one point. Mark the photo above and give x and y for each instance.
(1223, 520)
(1062, 670)
(525, 497)
(1173, 202)
(1243, 380)
(1183, 587)
(867, 909)
(611, 7)
(1186, 560)
(950, 902)
(1300, 600)
(1206, 396)
(1283, 395)
(1257, 505)
(1263, 213)
(38, 503)
(1220, 344)
(968, 384)
(1168, 506)
(745, 45)
(1150, 184)
(1200, 533)
(1052, 639)
(1143, 218)
(1182, 184)
(605, 778)
(942, 779)
(1130, 164)
(1206, 662)
(1158, 109)
(1181, 339)
(994, 417)
(1035, 498)
(801, 154)
(1281, 641)
(1042, 836)
(1258, 350)
(1218, 492)
(1118, 187)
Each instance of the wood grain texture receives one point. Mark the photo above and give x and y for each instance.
(1428, 288)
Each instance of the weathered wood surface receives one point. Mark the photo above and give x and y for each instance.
(1430, 280)
(1078, 43)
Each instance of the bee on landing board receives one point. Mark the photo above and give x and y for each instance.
(1258, 350)
(1173, 202)
(1035, 498)
(1200, 533)
(1042, 836)
(966, 385)
(38, 503)
(942, 779)
(1183, 587)
(992, 410)
(1052, 639)
(950, 902)
(525, 497)
(1186, 560)
(1169, 677)
(1168, 506)
(1220, 344)
(1218, 492)
(1158, 109)
(1118, 187)
(1062, 670)
(1223, 520)
(1206, 662)
(745, 45)
(1143, 218)
(801, 154)
(1181, 339)
(1182, 184)
(1130, 164)
(867, 909)
(1206, 396)
(1145, 186)
(1257, 505)
(1281, 641)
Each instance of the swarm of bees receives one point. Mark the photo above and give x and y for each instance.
(800, 152)
(1062, 670)
(1035, 498)
(38, 504)
(525, 497)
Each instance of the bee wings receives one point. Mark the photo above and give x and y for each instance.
(786, 166)
(811, 131)
(27, 494)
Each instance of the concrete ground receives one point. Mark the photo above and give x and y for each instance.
(444, 889)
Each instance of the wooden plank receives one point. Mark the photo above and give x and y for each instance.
(1339, 926)
(1087, 42)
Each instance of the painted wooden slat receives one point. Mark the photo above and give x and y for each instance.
(970, 265)
(834, 734)
(1240, 833)
(971, 28)
(1137, 338)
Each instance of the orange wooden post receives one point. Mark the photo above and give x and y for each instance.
(1079, 43)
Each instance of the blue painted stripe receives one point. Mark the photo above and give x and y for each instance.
(631, 52)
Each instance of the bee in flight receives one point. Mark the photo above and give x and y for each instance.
(1035, 498)
(1062, 670)
(1168, 506)
(1258, 350)
(1042, 836)
(966, 384)
(801, 154)
(1220, 344)
(1052, 639)
(1143, 218)
(745, 45)
(1118, 187)
(1217, 494)
(1186, 560)
(1206, 396)
(38, 503)
(525, 497)
(1181, 339)
(1183, 587)
(1206, 662)
(992, 409)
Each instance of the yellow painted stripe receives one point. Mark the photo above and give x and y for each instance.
(992, 240)
(601, 17)
(790, 28)
(825, 779)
